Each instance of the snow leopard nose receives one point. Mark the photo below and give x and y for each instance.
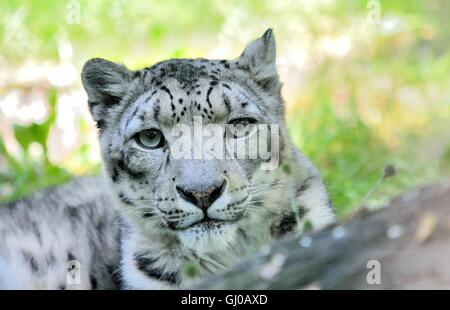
(202, 199)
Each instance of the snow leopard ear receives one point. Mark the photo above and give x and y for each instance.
(105, 83)
(259, 57)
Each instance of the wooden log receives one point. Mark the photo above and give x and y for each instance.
(403, 246)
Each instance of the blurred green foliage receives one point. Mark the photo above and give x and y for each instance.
(385, 102)
(25, 173)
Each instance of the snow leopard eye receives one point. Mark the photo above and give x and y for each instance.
(150, 139)
(241, 127)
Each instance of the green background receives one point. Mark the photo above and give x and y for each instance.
(366, 83)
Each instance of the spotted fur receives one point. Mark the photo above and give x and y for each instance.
(162, 231)
(41, 234)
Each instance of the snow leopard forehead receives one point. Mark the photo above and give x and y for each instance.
(112, 88)
(208, 88)
(186, 71)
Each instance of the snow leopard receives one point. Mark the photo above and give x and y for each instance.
(153, 221)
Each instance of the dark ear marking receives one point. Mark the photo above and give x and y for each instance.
(105, 83)
(259, 59)
(267, 83)
(268, 35)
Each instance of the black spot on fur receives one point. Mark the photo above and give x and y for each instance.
(125, 199)
(115, 276)
(115, 175)
(32, 261)
(156, 111)
(164, 88)
(257, 203)
(100, 226)
(51, 260)
(148, 214)
(243, 234)
(267, 84)
(132, 116)
(302, 188)
(137, 175)
(139, 74)
(146, 265)
(70, 256)
(101, 125)
(244, 68)
(207, 96)
(302, 211)
(226, 101)
(287, 224)
(36, 231)
(94, 282)
(73, 213)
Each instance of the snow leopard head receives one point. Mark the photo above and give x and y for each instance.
(201, 202)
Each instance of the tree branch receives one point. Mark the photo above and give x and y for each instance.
(410, 239)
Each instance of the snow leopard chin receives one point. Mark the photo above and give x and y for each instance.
(208, 237)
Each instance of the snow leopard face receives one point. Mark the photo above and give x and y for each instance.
(199, 202)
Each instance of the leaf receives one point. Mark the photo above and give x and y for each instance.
(286, 168)
(307, 226)
(191, 269)
(23, 135)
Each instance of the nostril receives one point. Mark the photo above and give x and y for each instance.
(216, 192)
(187, 195)
(202, 199)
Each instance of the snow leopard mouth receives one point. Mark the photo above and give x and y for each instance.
(208, 224)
